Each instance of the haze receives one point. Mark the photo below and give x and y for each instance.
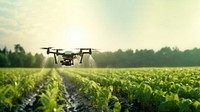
(107, 25)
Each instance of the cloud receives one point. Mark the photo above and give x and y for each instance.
(9, 33)
(136, 24)
(8, 3)
(7, 12)
(8, 8)
(9, 38)
(8, 22)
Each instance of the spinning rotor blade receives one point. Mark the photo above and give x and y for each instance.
(46, 47)
(85, 48)
(58, 50)
(93, 49)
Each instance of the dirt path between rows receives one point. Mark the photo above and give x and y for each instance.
(76, 102)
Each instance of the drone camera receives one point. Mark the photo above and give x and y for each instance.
(67, 63)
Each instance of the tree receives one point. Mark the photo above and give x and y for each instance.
(4, 51)
(39, 59)
(164, 57)
(16, 60)
(4, 61)
(29, 60)
(19, 49)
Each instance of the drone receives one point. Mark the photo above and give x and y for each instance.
(68, 56)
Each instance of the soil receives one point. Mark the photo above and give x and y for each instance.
(30, 102)
(74, 100)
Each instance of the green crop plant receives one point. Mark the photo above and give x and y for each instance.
(7, 94)
(196, 106)
(117, 107)
(99, 96)
(189, 92)
(104, 97)
(170, 104)
(152, 87)
(49, 101)
(50, 97)
(155, 89)
(185, 105)
(144, 94)
(157, 97)
(18, 83)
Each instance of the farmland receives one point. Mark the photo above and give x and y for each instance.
(130, 89)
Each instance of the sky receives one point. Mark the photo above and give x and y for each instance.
(107, 25)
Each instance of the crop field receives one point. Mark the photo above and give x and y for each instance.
(100, 90)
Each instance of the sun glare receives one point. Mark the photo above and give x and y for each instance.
(74, 38)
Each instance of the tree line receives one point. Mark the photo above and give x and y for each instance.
(165, 57)
(19, 58)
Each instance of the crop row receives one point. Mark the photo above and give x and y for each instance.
(17, 83)
(52, 96)
(12, 76)
(165, 89)
(152, 89)
(98, 95)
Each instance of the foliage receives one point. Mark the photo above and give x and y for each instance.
(51, 96)
(99, 96)
(14, 83)
(166, 56)
(19, 58)
(152, 89)
(164, 90)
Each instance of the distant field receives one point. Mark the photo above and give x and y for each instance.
(67, 89)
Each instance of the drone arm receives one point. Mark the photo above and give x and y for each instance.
(84, 51)
(56, 53)
(60, 53)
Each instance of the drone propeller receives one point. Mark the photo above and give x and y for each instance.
(85, 48)
(93, 49)
(46, 47)
(58, 50)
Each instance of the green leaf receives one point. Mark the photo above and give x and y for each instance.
(44, 99)
(117, 107)
(9, 102)
(196, 105)
(114, 97)
(185, 105)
